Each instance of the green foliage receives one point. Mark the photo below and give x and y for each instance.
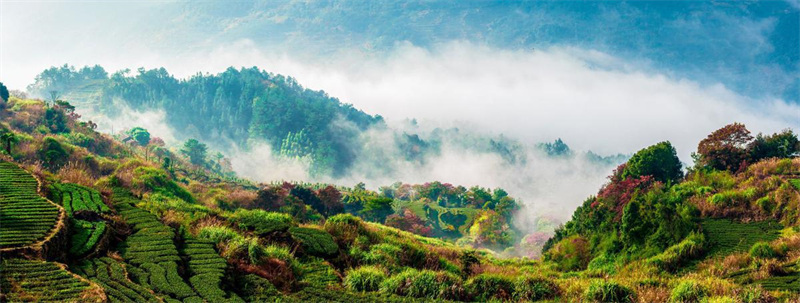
(762, 250)
(659, 160)
(85, 236)
(111, 275)
(262, 222)
(674, 256)
(732, 198)
(688, 292)
(779, 145)
(76, 198)
(53, 153)
(3, 92)
(196, 151)
(30, 281)
(424, 284)
(485, 287)
(314, 241)
(256, 289)
(364, 278)
(534, 288)
(156, 180)
(725, 236)
(490, 229)
(609, 291)
(26, 217)
(140, 135)
(570, 254)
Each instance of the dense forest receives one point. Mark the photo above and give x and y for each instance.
(235, 105)
(242, 107)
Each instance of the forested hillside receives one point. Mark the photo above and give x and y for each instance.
(236, 109)
(230, 107)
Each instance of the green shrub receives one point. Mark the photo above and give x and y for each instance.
(690, 247)
(262, 222)
(254, 288)
(570, 254)
(753, 294)
(762, 250)
(315, 242)
(765, 204)
(484, 287)
(688, 292)
(424, 284)
(608, 291)
(384, 254)
(364, 278)
(603, 264)
(732, 197)
(534, 288)
(218, 234)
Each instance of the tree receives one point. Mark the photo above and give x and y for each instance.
(195, 150)
(659, 161)
(331, 199)
(141, 135)
(377, 208)
(779, 145)
(8, 137)
(556, 149)
(3, 92)
(724, 149)
(52, 153)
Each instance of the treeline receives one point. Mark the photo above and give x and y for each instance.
(231, 107)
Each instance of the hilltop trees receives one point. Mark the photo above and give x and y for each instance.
(732, 147)
(659, 161)
(725, 148)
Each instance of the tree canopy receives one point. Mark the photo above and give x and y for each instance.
(659, 161)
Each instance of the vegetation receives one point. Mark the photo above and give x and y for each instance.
(26, 217)
(138, 230)
(29, 281)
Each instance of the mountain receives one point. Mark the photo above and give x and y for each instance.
(91, 217)
(236, 109)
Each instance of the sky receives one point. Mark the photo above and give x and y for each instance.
(607, 76)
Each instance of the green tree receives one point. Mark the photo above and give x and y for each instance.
(659, 160)
(8, 137)
(3, 92)
(52, 153)
(195, 150)
(377, 208)
(141, 135)
(780, 145)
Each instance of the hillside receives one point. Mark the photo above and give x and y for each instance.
(98, 218)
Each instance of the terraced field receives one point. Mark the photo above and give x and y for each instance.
(26, 217)
(151, 250)
(79, 198)
(112, 276)
(39, 281)
(85, 236)
(207, 268)
(725, 236)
